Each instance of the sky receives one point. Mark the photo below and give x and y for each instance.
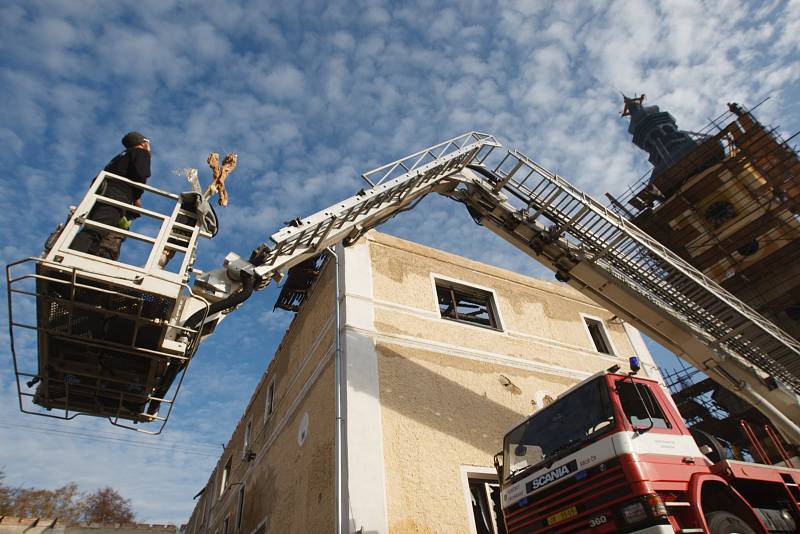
(310, 95)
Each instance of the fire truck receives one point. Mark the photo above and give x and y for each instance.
(612, 454)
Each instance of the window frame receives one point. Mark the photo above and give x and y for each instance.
(247, 439)
(649, 396)
(470, 290)
(226, 474)
(586, 320)
(269, 400)
(474, 473)
(212, 486)
(239, 509)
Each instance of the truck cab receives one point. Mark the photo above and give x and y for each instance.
(612, 454)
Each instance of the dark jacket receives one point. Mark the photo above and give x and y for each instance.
(133, 164)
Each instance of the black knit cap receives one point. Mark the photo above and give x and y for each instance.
(133, 139)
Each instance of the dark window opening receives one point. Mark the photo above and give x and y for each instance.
(485, 499)
(212, 483)
(748, 249)
(240, 508)
(598, 334)
(466, 304)
(640, 406)
(269, 402)
(719, 213)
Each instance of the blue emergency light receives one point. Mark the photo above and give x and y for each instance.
(634, 363)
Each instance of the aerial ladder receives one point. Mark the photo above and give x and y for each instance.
(144, 323)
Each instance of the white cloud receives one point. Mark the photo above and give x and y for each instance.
(285, 81)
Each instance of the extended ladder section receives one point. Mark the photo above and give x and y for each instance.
(607, 257)
(395, 188)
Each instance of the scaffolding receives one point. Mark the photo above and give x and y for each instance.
(731, 208)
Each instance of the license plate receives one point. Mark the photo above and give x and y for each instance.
(569, 513)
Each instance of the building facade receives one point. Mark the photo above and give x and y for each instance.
(442, 356)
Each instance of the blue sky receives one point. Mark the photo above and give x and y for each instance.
(311, 94)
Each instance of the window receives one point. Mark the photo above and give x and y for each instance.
(640, 406)
(557, 430)
(719, 213)
(202, 512)
(269, 402)
(597, 331)
(240, 508)
(466, 304)
(211, 489)
(484, 499)
(226, 473)
(246, 448)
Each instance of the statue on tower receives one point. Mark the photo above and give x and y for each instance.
(657, 133)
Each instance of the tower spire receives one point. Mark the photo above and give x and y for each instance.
(657, 133)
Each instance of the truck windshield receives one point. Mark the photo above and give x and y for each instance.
(582, 414)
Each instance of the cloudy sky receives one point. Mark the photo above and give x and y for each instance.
(311, 94)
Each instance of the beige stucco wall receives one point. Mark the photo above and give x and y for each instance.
(287, 485)
(443, 405)
(440, 413)
(541, 321)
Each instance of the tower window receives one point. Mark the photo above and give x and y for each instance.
(748, 249)
(466, 304)
(719, 213)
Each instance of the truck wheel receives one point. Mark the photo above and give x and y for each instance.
(726, 523)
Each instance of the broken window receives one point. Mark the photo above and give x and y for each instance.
(485, 500)
(466, 304)
(598, 334)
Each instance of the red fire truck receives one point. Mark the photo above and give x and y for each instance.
(612, 454)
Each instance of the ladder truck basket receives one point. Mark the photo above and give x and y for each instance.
(95, 336)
